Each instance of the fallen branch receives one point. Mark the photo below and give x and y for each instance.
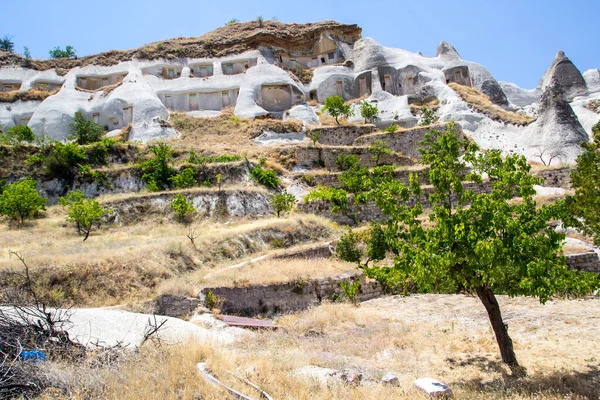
(246, 381)
(215, 382)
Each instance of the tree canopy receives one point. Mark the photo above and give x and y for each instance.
(85, 213)
(336, 107)
(486, 243)
(20, 200)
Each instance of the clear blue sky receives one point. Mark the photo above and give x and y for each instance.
(515, 39)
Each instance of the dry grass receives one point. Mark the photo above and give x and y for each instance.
(447, 337)
(130, 263)
(482, 103)
(226, 133)
(27, 95)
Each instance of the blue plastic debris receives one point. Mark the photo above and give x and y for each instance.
(35, 356)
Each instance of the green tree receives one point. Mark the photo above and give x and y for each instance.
(7, 44)
(182, 207)
(314, 136)
(584, 206)
(20, 200)
(68, 52)
(186, 179)
(156, 172)
(380, 149)
(63, 160)
(85, 130)
(283, 202)
(335, 106)
(20, 133)
(26, 52)
(427, 117)
(391, 129)
(485, 243)
(264, 176)
(85, 213)
(368, 111)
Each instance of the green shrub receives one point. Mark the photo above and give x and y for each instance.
(265, 176)
(85, 130)
(35, 159)
(347, 247)
(351, 290)
(314, 136)
(283, 202)
(156, 172)
(211, 300)
(380, 149)
(85, 213)
(68, 52)
(368, 111)
(98, 152)
(20, 200)
(20, 133)
(427, 117)
(182, 207)
(90, 175)
(186, 179)
(63, 159)
(335, 106)
(194, 158)
(391, 129)
(347, 161)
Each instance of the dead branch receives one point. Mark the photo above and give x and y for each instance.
(153, 327)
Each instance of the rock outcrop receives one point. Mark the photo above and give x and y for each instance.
(567, 75)
(562, 133)
(592, 80)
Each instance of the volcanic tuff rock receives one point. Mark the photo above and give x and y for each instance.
(567, 75)
(255, 68)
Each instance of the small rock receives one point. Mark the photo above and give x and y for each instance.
(390, 379)
(350, 376)
(434, 388)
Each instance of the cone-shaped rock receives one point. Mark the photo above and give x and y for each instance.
(567, 75)
(446, 50)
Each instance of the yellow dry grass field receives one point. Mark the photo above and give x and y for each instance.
(447, 337)
(120, 264)
(226, 134)
(484, 105)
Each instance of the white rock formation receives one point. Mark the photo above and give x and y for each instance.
(142, 92)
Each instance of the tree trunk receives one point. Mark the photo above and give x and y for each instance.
(493, 309)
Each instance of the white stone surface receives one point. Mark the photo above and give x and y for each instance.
(433, 387)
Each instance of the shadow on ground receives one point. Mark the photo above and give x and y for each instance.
(582, 384)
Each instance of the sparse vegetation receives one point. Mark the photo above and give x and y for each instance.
(68, 52)
(20, 200)
(157, 172)
(336, 107)
(351, 290)
(482, 103)
(314, 136)
(583, 208)
(182, 206)
(427, 117)
(85, 213)
(233, 21)
(85, 131)
(379, 150)
(283, 202)
(391, 129)
(368, 111)
(7, 44)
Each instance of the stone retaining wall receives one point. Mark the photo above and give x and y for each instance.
(326, 157)
(290, 296)
(407, 142)
(332, 179)
(589, 262)
(560, 177)
(343, 135)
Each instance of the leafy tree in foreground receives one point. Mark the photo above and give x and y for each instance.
(20, 200)
(336, 107)
(584, 205)
(85, 131)
(495, 245)
(283, 202)
(85, 213)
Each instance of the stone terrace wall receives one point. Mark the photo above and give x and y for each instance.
(290, 296)
(584, 262)
(560, 177)
(343, 135)
(332, 179)
(407, 142)
(326, 157)
(369, 211)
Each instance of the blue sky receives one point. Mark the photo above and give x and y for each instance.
(515, 39)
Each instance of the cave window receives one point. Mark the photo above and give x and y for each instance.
(457, 75)
(96, 117)
(322, 60)
(331, 55)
